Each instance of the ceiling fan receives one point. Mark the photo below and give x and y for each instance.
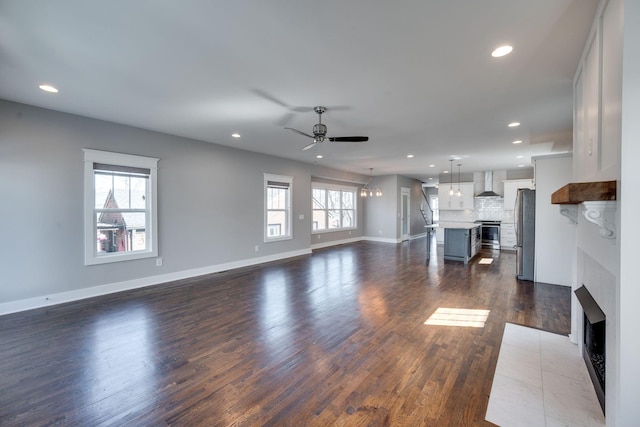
(320, 132)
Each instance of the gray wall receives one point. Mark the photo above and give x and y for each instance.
(210, 202)
(381, 212)
(416, 224)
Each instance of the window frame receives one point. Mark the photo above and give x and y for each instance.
(91, 255)
(269, 177)
(334, 187)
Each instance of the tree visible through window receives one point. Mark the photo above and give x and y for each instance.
(333, 207)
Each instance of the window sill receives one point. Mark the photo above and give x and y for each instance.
(277, 239)
(119, 257)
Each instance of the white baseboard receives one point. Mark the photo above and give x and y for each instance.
(94, 291)
(382, 239)
(417, 236)
(335, 243)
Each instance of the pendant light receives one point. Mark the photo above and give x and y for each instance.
(459, 193)
(451, 177)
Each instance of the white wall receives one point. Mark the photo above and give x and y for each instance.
(629, 232)
(555, 235)
(606, 148)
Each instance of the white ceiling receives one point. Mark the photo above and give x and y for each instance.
(416, 77)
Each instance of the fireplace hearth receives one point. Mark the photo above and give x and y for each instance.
(594, 341)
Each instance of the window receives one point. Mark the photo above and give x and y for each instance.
(120, 207)
(277, 202)
(433, 198)
(334, 207)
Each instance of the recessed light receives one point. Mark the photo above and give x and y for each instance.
(513, 124)
(409, 156)
(502, 51)
(519, 157)
(319, 156)
(235, 135)
(517, 141)
(432, 166)
(445, 171)
(520, 166)
(48, 88)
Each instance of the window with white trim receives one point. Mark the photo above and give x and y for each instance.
(334, 207)
(120, 207)
(277, 207)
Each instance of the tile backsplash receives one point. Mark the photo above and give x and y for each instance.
(485, 208)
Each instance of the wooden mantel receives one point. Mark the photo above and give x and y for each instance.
(578, 192)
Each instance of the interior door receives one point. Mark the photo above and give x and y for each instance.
(405, 204)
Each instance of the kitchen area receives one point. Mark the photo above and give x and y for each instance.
(487, 210)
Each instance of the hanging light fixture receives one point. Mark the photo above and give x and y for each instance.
(451, 177)
(459, 193)
(367, 191)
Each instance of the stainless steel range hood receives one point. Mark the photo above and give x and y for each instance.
(488, 187)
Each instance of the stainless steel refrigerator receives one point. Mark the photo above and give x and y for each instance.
(525, 224)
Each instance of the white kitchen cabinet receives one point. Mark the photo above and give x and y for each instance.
(455, 202)
(507, 236)
(440, 236)
(511, 190)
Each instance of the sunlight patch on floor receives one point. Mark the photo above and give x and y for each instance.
(485, 261)
(464, 317)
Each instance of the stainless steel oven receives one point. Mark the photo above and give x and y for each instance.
(490, 233)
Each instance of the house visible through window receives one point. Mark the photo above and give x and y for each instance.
(334, 207)
(120, 217)
(277, 191)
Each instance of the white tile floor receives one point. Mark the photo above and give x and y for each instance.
(541, 380)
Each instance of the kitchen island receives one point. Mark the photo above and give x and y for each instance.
(461, 240)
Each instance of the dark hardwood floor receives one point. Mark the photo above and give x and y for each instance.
(335, 338)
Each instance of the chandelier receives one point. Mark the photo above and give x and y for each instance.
(367, 191)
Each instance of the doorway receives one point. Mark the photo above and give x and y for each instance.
(405, 217)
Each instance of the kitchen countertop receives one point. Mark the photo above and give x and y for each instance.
(451, 224)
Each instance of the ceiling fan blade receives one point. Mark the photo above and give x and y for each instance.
(285, 120)
(269, 97)
(300, 109)
(300, 132)
(349, 139)
(309, 146)
(338, 107)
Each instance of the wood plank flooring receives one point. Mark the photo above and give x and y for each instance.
(334, 338)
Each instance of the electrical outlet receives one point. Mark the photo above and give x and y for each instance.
(158, 262)
(257, 248)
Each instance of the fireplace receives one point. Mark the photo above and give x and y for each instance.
(594, 339)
